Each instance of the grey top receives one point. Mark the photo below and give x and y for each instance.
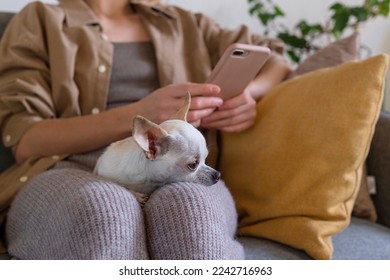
(133, 76)
(134, 73)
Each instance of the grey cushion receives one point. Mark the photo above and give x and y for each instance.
(360, 241)
(262, 249)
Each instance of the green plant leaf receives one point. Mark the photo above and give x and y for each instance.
(255, 9)
(293, 40)
(336, 6)
(278, 11)
(372, 2)
(309, 29)
(360, 13)
(384, 10)
(341, 19)
(293, 56)
(265, 18)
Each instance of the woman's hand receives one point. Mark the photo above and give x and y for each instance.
(164, 102)
(239, 113)
(235, 115)
(86, 133)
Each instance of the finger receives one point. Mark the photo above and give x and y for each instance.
(199, 103)
(229, 126)
(230, 121)
(234, 102)
(219, 120)
(204, 90)
(221, 123)
(198, 115)
(196, 123)
(180, 90)
(227, 114)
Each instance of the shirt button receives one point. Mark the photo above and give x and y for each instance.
(23, 179)
(55, 157)
(104, 37)
(8, 138)
(95, 111)
(102, 68)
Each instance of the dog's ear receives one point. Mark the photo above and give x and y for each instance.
(182, 113)
(149, 136)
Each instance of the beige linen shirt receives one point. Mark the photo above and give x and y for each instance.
(56, 62)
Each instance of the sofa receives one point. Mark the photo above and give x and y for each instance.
(362, 239)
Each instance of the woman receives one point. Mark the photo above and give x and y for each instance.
(72, 78)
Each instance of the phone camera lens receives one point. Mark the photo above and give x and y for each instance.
(238, 52)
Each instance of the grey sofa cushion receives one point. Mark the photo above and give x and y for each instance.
(263, 249)
(362, 240)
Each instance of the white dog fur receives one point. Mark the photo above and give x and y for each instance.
(173, 151)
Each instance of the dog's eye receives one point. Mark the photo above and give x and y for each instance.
(193, 165)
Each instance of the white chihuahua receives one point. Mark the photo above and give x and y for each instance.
(173, 151)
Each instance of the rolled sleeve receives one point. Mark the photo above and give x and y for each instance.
(24, 79)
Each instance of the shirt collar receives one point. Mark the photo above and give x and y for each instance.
(155, 9)
(78, 13)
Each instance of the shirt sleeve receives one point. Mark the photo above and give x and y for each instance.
(24, 76)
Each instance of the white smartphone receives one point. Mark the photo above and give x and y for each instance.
(237, 67)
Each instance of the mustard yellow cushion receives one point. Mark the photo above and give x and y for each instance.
(295, 174)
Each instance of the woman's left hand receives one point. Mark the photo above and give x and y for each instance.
(235, 115)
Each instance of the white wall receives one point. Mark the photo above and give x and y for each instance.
(16, 5)
(231, 13)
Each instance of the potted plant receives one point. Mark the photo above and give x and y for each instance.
(304, 38)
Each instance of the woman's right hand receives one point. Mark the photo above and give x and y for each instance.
(164, 102)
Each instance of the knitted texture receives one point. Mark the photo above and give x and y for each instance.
(73, 214)
(69, 213)
(191, 221)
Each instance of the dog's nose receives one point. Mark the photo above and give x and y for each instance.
(216, 176)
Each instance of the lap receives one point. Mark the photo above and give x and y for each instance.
(67, 195)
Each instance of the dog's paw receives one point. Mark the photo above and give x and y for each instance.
(141, 198)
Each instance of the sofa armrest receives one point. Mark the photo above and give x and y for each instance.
(378, 165)
(4, 19)
(6, 158)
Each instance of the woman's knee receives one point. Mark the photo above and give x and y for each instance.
(197, 202)
(65, 206)
(192, 221)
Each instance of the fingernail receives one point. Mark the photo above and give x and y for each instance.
(215, 89)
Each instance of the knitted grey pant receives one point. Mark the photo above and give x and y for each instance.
(73, 214)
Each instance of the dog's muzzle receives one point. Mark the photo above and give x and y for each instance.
(216, 176)
(209, 176)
